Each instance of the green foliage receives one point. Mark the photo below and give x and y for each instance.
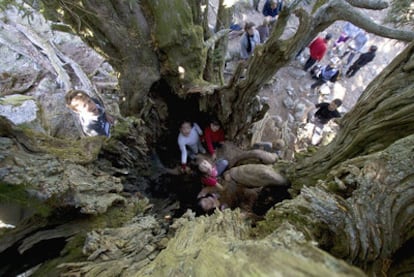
(19, 195)
(401, 13)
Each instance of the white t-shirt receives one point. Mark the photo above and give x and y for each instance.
(192, 139)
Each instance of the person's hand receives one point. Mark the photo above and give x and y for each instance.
(213, 156)
(185, 169)
(110, 118)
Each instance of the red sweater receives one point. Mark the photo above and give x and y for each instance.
(213, 137)
(210, 180)
(318, 48)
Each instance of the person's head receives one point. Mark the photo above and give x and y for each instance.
(249, 28)
(373, 48)
(273, 4)
(336, 103)
(215, 124)
(266, 21)
(185, 127)
(328, 36)
(208, 203)
(80, 102)
(205, 167)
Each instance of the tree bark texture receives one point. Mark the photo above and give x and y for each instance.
(362, 212)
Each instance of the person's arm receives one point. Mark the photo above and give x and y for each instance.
(335, 77)
(256, 37)
(243, 47)
(209, 181)
(109, 118)
(205, 191)
(183, 149)
(209, 140)
(198, 129)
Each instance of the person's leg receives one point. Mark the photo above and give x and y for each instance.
(309, 63)
(351, 71)
(192, 151)
(318, 83)
(350, 57)
(221, 166)
(200, 147)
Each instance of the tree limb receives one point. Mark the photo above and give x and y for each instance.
(348, 12)
(369, 4)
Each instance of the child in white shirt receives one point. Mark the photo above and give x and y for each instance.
(189, 139)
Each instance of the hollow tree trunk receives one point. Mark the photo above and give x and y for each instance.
(382, 115)
(121, 33)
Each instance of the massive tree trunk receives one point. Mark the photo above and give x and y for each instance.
(382, 115)
(119, 30)
(149, 40)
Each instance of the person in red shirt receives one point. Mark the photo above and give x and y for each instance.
(317, 50)
(213, 136)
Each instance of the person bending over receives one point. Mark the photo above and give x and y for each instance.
(189, 138)
(92, 116)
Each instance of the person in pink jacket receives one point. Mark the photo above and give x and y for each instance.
(210, 172)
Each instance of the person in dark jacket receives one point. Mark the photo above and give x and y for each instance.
(361, 61)
(272, 8)
(327, 111)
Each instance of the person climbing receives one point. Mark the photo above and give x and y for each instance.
(211, 172)
(213, 136)
(249, 40)
(189, 138)
(356, 46)
(317, 50)
(92, 116)
(363, 59)
(264, 30)
(232, 196)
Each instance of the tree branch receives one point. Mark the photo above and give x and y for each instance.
(369, 4)
(348, 12)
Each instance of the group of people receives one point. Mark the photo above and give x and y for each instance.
(352, 40)
(253, 36)
(192, 141)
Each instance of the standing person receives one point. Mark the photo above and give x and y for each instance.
(92, 116)
(264, 30)
(189, 137)
(317, 50)
(327, 111)
(349, 31)
(356, 45)
(361, 61)
(249, 40)
(213, 136)
(272, 9)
